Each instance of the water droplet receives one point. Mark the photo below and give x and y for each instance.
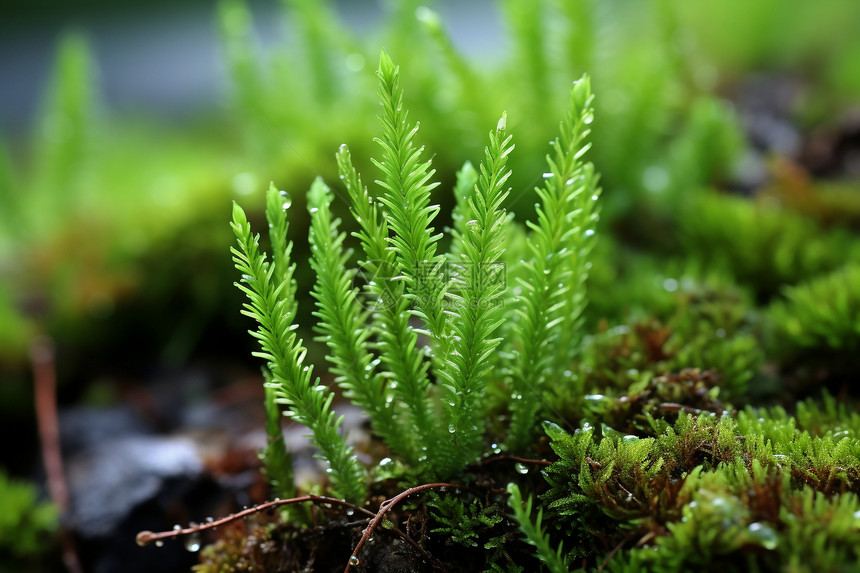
(159, 543)
(313, 210)
(177, 527)
(763, 534)
(286, 200)
(588, 118)
(589, 232)
(473, 225)
(546, 176)
(353, 560)
(593, 396)
(192, 543)
(350, 512)
(521, 468)
(451, 428)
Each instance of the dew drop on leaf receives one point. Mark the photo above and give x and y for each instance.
(763, 534)
(286, 200)
(353, 560)
(521, 468)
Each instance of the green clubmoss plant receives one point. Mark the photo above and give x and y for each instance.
(427, 400)
(820, 314)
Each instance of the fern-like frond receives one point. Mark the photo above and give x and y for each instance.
(307, 403)
(406, 181)
(476, 300)
(277, 203)
(277, 461)
(553, 288)
(397, 340)
(467, 177)
(534, 532)
(341, 322)
(461, 78)
(317, 26)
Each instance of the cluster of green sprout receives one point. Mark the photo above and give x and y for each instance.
(679, 477)
(429, 405)
(699, 302)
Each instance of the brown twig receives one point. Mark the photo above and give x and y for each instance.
(504, 457)
(611, 555)
(673, 407)
(384, 508)
(146, 537)
(45, 388)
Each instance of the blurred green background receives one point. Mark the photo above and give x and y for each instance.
(727, 135)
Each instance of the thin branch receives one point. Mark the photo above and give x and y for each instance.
(146, 537)
(384, 508)
(673, 407)
(517, 459)
(427, 555)
(45, 386)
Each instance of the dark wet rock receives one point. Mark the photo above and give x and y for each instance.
(108, 481)
(86, 427)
